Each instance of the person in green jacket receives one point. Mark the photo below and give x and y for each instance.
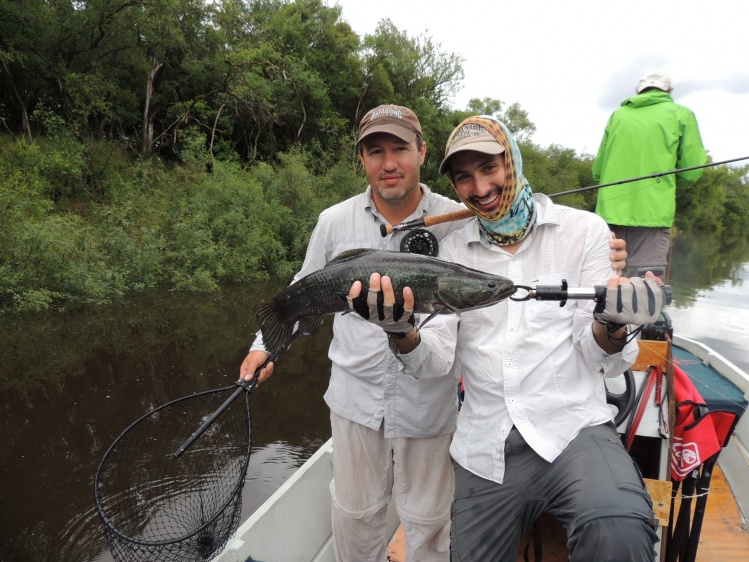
(648, 134)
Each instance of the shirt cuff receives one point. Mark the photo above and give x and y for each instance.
(413, 360)
(616, 363)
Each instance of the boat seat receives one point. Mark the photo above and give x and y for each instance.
(718, 392)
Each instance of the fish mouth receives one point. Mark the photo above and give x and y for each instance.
(497, 296)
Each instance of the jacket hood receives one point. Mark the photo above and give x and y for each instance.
(651, 97)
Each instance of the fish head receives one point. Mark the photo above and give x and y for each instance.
(460, 293)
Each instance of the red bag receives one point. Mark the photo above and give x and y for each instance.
(698, 433)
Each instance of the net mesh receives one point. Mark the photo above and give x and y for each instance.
(158, 508)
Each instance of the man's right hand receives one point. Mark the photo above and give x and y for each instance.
(635, 301)
(250, 364)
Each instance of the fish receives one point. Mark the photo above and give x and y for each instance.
(439, 287)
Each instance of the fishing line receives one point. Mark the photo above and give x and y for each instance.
(622, 195)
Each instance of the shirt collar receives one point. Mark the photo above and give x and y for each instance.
(422, 209)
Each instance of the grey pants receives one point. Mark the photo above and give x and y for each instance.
(647, 248)
(593, 488)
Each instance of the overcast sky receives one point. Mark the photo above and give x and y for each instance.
(570, 63)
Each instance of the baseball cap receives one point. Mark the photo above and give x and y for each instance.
(659, 80)
(393, 119)
(471, 136)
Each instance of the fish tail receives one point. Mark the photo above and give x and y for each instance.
(277, 333)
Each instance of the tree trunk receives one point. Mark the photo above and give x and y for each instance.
(24, 113)
(147, 140)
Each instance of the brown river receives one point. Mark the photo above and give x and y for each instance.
(72, 381)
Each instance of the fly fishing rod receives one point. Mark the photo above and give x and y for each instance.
(386, 229)
(466, 214)
(649, 176)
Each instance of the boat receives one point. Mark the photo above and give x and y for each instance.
(293, 525)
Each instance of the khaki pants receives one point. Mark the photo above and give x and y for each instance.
(367, 470)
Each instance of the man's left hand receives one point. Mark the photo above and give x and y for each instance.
(380, 308)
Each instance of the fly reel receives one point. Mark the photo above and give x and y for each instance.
(420, 241)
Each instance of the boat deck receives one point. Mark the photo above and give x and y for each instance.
(724, 537)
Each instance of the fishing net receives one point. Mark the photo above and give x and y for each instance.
(157, 507)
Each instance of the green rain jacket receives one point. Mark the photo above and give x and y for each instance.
(648, 134)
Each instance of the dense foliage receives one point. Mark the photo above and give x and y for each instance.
(188, 144)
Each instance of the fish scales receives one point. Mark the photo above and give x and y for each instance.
(438, 287)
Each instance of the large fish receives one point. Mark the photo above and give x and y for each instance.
(438, 286)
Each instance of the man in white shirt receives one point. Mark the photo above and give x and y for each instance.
(534, 434)
(391, 433)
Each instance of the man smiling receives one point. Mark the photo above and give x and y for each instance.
(535, 434)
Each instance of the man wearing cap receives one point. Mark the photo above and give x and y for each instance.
(648, 134)
(535, 434)
(391, 433)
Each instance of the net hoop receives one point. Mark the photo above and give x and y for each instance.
(223, 519)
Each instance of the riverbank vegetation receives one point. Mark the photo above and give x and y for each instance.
(188, 145)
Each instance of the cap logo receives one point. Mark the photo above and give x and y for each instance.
(386, 112)
(468, 131)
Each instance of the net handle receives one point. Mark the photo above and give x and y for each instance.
(243, 386)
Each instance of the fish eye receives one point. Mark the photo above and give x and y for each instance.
(492, 284)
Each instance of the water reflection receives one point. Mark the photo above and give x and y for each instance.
(710, 276)
(719, 318)
(71, 382)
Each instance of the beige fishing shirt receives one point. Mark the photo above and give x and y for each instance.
(531, 364)
(366, 381)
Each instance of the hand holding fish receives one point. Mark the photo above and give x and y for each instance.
(380, 308)
(442, 287)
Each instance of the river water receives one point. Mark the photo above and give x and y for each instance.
(73, 381)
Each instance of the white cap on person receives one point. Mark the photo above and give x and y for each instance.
(659, 80)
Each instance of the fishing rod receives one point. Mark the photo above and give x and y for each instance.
(467, 213)
(386, 229)
(650, 176)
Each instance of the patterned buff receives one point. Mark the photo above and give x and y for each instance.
(515, 214)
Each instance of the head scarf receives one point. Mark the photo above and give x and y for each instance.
(515, 213)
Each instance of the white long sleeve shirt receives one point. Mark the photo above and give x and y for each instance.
(366, 381)
(531, 364)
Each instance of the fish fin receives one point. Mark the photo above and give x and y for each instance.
(347, 255)
(277, 334)
(310, 324)
(436, 311)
